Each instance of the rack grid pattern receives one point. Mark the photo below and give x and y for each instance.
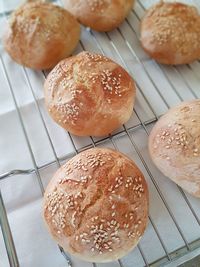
(158, 88)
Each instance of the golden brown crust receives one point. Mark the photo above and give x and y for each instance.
(96, 205)
(170, 33)
(174, 145)
(100, 15)
(89, 94)
(40, 34)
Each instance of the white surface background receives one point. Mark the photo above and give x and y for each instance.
(22, 194)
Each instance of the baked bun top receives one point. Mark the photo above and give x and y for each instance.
(100, 15)
(89, 94)
(96, 205)
(40, 34)
(174, 145)
(170, 33)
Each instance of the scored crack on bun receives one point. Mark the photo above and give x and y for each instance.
(40, 34)
(101, 15)
(170, 33)
(89, 94)
(96, 205)
(174, 145)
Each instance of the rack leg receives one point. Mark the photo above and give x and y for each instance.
(7, 235)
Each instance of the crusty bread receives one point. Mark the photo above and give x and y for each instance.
(174, 145)
(96, 205)
(40, 34)
(89, 94)
(170, 33)
(100, 15)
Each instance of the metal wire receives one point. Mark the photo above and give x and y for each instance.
(180, 98)
(148, 171)
(7, 235)
(126, 131)
(144, 163)
(16, 172)
(115, 146)
(22, 125)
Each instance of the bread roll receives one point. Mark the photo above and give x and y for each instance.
(40, 34)
(96, 205)
(100, 15)
(170, 33)
(89, 94)
(174, 145)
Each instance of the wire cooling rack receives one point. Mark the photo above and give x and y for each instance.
(174, 219)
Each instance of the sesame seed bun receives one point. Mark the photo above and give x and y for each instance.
(170, 33)
(40, 34)
(100, 15)
(89, 94)
(96, 205)
(174, 145)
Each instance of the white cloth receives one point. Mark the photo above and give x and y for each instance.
(22, 195)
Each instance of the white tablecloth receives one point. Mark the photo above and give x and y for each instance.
(21, 194)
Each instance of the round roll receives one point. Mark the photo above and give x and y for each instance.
(170, 33)
(96, 205)
(174, 145)
(40, 34)
(101, 15)
(89, 94)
